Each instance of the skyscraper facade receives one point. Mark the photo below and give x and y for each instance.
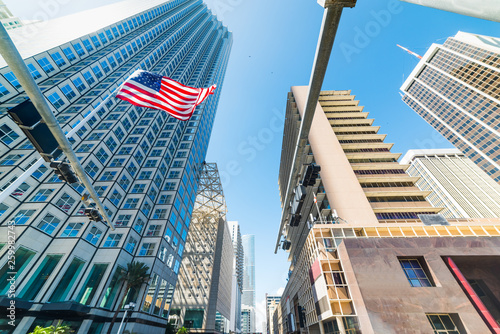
(367, 252)
(143, 163)
(455, 182)
(456, 88)
(272, 303)
(237, 288)
(202, 298)
(248, 296)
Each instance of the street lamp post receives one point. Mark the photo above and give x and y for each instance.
(126, 307)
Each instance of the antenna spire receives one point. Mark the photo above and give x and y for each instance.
(410, 52)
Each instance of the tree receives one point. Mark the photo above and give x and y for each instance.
(53, 330)
(182, 330)
(132, 278)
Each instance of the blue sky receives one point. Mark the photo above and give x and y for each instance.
(274, 46)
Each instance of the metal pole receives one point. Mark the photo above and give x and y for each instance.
(331, 19)
(16, 63)
(123, 319)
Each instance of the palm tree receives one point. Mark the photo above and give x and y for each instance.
(133, 278)
(59, 329)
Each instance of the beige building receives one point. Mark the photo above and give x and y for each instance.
(455, 182)
(202, 298)
(368, 253)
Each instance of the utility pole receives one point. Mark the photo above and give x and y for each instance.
(16, 63)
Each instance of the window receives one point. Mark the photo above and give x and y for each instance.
(93, 235)
(100, 189)
(65, 202)
(101, 155)
(111, 143)
(68, 280)
(91, 169)
(138, 188)
(34, 72)
(48, 224)
(115, 197)
(55, 99)
(444, 324)
(90, 287)
(79, 49)
(147, 249)
(39, 172)
(123, 220)
(87, 45)
(139, 225)
(23, 216)
(105, 66)
(108, 176)
(79, 84)
(124, 182)
(113, 240)
(130, 247)
(131, 203)
(7, 135)
(72, 230)
(160, 214)
(95, 41)
(12, 79)
(97, 72)
(69, 54)
(42, 195)
(154, 230)
(117, 162)
(415, 272)
(58, 59)
(88, 76)
(46, 65)
(41, 276)
(68, 92)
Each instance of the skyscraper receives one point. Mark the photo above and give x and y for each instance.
(455, 182)
(248, 296)
(237, 288)
(202, 298)
(367, 252)
(272, 303)
(456, 88)
(144, 164)
(487, 10)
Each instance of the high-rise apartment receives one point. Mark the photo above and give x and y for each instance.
(272, 303)
(456, 88)
(143, 163)
(248, 295)
(455, 182)
(202, 298)
(368, 253)
(237, 288)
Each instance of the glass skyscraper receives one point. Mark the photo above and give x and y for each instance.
(456, 89)
(143, 163)
(248, 295)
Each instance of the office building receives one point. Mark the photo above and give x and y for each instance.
(202, 297)
(455, 182)
(367, 252)
(272, 303)
(487, 10)
(456, 88)
(237, 287)
(248, 295)
(143, 163)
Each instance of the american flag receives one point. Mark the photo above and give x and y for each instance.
(150, 90)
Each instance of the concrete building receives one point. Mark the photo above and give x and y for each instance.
(202, 298)
(373, 256)
(237, 288)
(143, 163)
(248, 295)
(487, 9)
(455, 182)
(272, 303)
(456, 88)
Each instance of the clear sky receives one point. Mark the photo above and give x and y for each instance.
(274, 46)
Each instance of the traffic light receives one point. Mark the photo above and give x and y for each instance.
(64, 172)
(286, 245)
(311, 174)
(93, 214)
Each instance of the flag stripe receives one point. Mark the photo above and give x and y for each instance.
(151, 90)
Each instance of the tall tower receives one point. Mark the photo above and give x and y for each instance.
(457, 184)
(366, 249)
(202, 298)
(456, 88)
(272, 303)
(143, 163)
(237, 288)
(248, 296)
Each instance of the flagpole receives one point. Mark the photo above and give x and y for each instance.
(317, 208)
